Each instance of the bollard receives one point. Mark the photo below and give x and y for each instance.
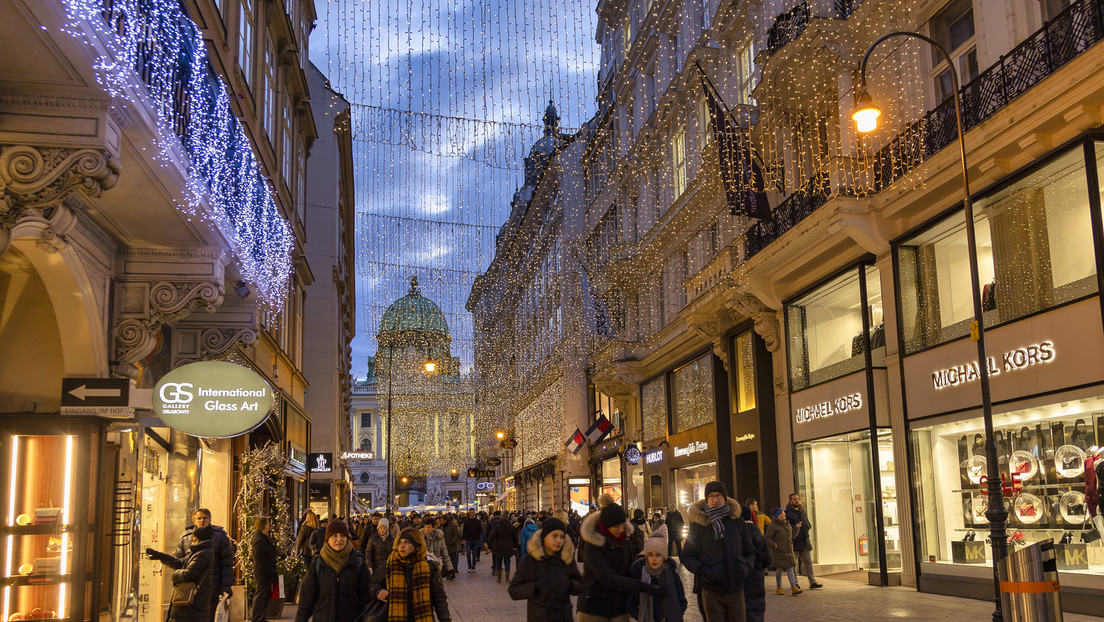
(1029, 584)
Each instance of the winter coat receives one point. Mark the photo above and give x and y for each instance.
(755, 591)
(437, 594)
(639, 536)
(302, 543)
(780, 541)
(548, 583)
(800, 535)
(223, 570)
(264, 555)
(471, 530)
(606, 579)
(527, 530)
(328, 596)
(671, 607)
(452, 537)
(435, 546)
(378, 550)
(720, 565)
(317, 540)
(502, 539)
(675, 523)
(197, 565)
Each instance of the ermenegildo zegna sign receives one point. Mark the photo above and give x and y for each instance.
(1044, 353)
(212, 399)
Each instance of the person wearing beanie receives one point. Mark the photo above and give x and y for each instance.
(780, 541)
(659, 570)
(378, 547)
(607, 561)
(335, 586)
(642, 532)
(410, 582)
(719, 552)
(547, 576)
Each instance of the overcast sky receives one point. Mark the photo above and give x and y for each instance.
(447, 98)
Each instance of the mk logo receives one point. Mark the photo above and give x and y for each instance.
(1077, 556)
(975, 552)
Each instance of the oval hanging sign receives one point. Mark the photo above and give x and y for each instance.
(212, 399)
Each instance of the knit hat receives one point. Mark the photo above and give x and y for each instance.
(203, 533)
(638, 514)
(413, 536)
(612, 515)
(657, 542)
(384, 523)
(776, 511)
(337, 526)
(551, 524)
(716, 486)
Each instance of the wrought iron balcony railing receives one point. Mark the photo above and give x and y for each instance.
(788, 26)
(793, 210)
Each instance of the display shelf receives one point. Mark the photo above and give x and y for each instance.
(36, 580)
(37, 530)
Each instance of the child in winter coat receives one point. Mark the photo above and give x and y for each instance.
(669, 600)
(547, 576)
(780, 541)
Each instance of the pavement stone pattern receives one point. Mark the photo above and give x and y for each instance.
(477, 597)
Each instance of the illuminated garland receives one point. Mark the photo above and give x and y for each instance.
(154, 55)
(262, 479)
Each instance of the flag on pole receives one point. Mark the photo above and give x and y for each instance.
(599, 430)
(741, 175)
(575, 442)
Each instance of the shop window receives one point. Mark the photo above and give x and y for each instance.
(1035, 250)
(825, 330)
(745, 372)
(690, 484)
(603, 405)
(692, 394)
(246, 32)
(1048, 448)
(654, 402)
(611, 478)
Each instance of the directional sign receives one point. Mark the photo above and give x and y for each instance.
(95, 392)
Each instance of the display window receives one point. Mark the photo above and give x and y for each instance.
(578, 492)
(824, 329)
(1035, 251)
(654, 409)
(745, 372)
(611, 478)
(690, 482)
(692, 395)
(1047, 456)
(842, 498)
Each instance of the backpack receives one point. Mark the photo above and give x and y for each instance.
(636, 541)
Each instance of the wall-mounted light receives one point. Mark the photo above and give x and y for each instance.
(243, 289)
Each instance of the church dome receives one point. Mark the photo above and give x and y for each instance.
(414, 312)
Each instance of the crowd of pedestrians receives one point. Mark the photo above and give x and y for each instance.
(393, 568)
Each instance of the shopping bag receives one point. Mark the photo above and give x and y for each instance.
(278, 588)
(222, 611)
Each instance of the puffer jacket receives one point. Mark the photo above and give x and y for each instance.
(328, 596)
(502, 538)
(435, 545)
(547, 582)
(378, 550)
(196, 566)
(721, 565)
(606, 580)
(780, 541)
(671, 607)
(222, 554)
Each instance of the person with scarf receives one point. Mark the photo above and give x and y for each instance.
(607, 558)
(196, 566)
(720, 553)
(410, 583)
(547, 576)
(335, 587)
(780, 540)
(657, 568)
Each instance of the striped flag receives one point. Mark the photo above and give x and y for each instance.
(575, 442)
(599, 430)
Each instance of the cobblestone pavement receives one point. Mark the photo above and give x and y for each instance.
(477, 597)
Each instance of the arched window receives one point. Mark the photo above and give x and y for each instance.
(366, 444)
(364, 478)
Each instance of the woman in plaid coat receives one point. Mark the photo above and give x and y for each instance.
(409, 583)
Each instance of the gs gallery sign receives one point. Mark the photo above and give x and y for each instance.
(212, 399)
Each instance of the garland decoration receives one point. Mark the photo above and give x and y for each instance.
(263, 493)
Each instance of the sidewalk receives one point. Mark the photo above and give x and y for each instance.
(478, 597)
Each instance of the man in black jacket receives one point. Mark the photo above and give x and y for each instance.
(264, 556)
(799, 520)
(223, 571)
(471, 532)
(675, 524)
(720, 553)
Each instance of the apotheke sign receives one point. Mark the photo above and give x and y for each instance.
(212, 399)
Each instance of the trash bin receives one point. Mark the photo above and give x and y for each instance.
(1029, 584)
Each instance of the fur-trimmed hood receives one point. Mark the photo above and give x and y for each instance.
(535, 548)
(697, 514)
(589, 532)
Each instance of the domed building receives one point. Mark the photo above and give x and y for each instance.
(432, 407)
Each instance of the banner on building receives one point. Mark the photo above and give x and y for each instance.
(599, 430)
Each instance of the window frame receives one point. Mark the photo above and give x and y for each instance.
(959, 55)
(247, 38)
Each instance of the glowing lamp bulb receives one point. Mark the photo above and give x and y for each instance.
(866, 113)
(431, 366)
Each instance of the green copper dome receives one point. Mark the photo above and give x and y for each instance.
(414, 312)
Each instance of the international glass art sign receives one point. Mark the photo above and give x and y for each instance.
(212, 399)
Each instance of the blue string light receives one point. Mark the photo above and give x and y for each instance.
(152, 54)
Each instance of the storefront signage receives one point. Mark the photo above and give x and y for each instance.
(691, 449)
(296, 456)
(358, 455)
(1013, 360)
(632, 455)
(484, 486)
(212, 399)
(481, 473)
(653, 457)
(508, 483)
(743, 438)
(320, 463)
(840, 405)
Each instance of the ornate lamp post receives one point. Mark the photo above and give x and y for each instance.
(866, 120)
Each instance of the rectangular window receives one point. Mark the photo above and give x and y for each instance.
(300, 183)
(678, 162)
(953, 29)
(745, 372)
(692, 395)
(366, 420)
(1035, 250)
(288, 142)
(247, 27)
(271, 100)
(705, 123)
(745, 57)
(653, 400)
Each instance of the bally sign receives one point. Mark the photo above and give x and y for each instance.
(212, 399)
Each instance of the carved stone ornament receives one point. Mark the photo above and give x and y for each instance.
(712, 332)
(34, 178)
(766, 322)
(144, 307)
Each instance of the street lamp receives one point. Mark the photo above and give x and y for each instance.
(866, 119)
(430, 366)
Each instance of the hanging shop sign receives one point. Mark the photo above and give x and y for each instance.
(481, 473)
(632, 455)
(493, 462)
(320, 462)
(358, 455)
(212, 399)
(484, 485)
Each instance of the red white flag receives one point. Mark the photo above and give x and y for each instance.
(575, 442)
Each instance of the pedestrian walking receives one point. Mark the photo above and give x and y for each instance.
(306, 530)
(410, 583)
(263, 554)
(675, 524)
(471, 531)
(755, 591)
(607, 578)
(502, 540)
(803, 546)
(318, 538)
(222, 571)
(435, 544)
(719, 552)
(452, 544)
(641, 532)
(547, 576)
(657, 568)
(780, 541)
(196, 565)
(336, 585)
